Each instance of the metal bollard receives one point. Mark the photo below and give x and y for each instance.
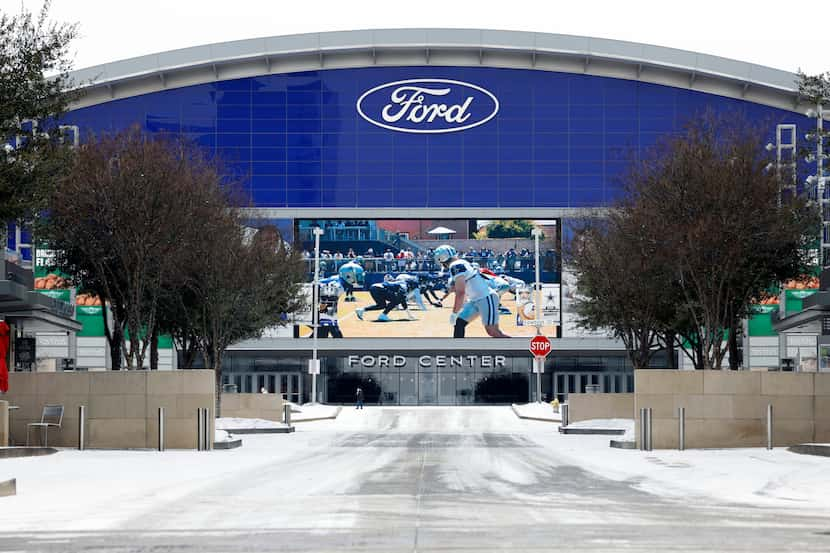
(286, 414)
(681, 428)
(649, 429)
(769, 426)
(642, 429)
(161, 428)
(200, 432)
(81, 425)
(565, 415)
(206, 427)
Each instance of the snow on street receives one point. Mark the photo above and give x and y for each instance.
(418, 479)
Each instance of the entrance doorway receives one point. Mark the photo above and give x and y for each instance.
(289, 385)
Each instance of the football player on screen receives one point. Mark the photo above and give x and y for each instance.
(331, 289)
(388, 295)
(473, 295)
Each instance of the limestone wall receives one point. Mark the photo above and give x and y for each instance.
(121, 406)
(583, 407)
(253, 406)
(728, 408)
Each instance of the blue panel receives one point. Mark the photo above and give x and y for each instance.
(234, 112)
(304, 97)
(304, 198)
(263, 98)
(302, 112)
(239, 140)
(374, 182)
(336, 125)
(268, 125)
(303, 154)
(268, 112)
(376, 197)
(270, 198)
(368, 167)
(269, 168)
(270, 182)
(233, 125)
(233, 155)
(410, 197)
(339, 196)
(303, 126)
(551, 196)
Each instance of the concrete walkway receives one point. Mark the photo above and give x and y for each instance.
(413, 480)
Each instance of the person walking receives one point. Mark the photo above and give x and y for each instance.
(359, 398)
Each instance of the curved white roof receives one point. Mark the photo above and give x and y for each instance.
(440, 47)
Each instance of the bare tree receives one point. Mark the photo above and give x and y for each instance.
(123, 218)
(241, 282)
(623, 284)
(699, 235)
(714, 211)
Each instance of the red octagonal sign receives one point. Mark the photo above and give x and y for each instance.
(540, 346)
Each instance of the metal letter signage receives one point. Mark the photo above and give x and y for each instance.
(427, 106)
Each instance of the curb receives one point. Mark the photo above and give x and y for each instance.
(620, 444)
(592, 431)
(230, 444)
(515, 412)
(278, 430)
(12, 452)
(811, 449)
(8, 487)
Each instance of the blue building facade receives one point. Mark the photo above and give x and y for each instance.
(297, 139)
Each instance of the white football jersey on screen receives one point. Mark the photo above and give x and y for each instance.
(476, 284)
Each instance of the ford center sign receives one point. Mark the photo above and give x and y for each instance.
(427, 106)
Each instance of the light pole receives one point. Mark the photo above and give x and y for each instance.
(537, 287)
(314, 363)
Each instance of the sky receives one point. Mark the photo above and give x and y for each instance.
(759, 31)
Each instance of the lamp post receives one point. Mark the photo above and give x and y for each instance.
(314, 363)
(537, 287)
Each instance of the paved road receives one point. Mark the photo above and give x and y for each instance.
(432, 480)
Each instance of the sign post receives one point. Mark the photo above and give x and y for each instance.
(540, 347)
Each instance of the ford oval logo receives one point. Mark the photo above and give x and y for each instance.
(427, 106)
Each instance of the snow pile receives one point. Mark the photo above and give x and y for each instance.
(221, 436)
(314, 411)
(537, 411)
(235, 423)
(608, 424)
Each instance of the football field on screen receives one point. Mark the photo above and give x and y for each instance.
(432, 323)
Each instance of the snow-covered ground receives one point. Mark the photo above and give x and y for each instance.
(313, 411)
(747, 475)
(236, 423)
(337, 459)
(537, 411)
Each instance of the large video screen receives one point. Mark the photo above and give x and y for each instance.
(432, 278)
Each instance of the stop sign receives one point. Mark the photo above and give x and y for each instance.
(540, 346)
